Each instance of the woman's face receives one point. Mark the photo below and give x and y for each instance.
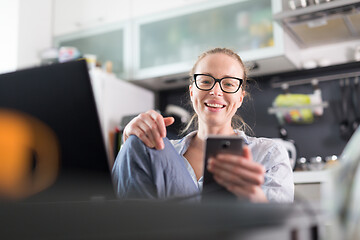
(216, 108)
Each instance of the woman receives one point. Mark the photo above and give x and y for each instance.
(151, 166)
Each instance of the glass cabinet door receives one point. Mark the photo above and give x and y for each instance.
(171, 44)
(107, 43)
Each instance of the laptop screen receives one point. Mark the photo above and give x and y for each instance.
(51, 143)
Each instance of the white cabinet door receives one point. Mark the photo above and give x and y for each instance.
(75, 15)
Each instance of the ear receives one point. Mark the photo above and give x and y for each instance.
(191, 91)
(241, 98)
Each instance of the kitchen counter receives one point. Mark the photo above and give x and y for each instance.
(311, 186)
(301, 177)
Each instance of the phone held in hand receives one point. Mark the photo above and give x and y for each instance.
(219, 144)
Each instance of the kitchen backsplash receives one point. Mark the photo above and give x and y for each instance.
(323, 137)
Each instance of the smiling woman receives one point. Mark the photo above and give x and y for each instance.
(151, 166)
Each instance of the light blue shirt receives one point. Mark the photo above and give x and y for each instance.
(279, 182)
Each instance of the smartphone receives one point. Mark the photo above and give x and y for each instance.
(219, 144)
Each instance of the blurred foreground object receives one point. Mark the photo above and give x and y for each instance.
(345, 192)
(29, 155)
(41, 103)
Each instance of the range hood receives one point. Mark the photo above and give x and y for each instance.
(326, 23)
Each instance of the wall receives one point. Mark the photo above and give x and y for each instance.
(26, 31)
(321, 138)
(35, 31)
(9, 20)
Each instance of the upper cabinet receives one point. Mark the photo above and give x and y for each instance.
(168, 44)
(179, 37)
(154, 47)
(71, 16)
(107, 43)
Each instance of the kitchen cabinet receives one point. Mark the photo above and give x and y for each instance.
(168, 44)
(71, 16)
(163, 46)
(107, 43)
(311, 185)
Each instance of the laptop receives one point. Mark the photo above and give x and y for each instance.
(50, 136)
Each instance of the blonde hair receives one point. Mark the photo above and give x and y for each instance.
(237, 122)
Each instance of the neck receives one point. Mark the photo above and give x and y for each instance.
(204, 131)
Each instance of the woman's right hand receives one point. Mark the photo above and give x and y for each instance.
(150, 127)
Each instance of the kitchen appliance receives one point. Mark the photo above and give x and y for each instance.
(324, 22)
(290, 148)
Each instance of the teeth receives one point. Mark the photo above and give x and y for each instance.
(214, 105)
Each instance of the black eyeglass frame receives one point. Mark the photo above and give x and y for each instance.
(217, 80)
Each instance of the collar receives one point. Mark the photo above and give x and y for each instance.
(185, 141)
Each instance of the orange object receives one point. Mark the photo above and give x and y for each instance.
(29, 155)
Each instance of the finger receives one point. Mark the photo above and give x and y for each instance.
(157, 128)
(239, 190)
(253, 194)
(160, 125)
(146, 128)
(152, 131)
(129, 128)
(138, 127)
(236, 174)
(247, 153)
(241, 161)
(150, 125)
(168, 121)
(145, 131)
(143, 137)
(226, 182)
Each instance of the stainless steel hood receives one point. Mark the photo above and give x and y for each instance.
(326, 23)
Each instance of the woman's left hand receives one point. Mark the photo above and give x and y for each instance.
(239, 175)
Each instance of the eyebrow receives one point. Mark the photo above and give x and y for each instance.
(221, 77)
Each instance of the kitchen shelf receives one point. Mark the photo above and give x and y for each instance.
(326, 23)
(302, 177)
(275, 110)
(328, 77)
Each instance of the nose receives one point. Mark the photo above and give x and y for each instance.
(216, 90)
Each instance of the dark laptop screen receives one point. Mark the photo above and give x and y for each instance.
(65, 158)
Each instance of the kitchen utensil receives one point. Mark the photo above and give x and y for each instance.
(294, 4)
(355, 103)
(316, 98)
(302, 164)
(321, 1)
(316, 163)
(330, 161)
(290, 148)
(345, 128)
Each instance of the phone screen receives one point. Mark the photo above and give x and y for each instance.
(214, 145)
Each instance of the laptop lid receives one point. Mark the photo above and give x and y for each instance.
(51, 143)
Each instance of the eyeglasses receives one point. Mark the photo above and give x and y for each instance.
(207, 82)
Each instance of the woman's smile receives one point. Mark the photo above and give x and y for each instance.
(214, 106)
